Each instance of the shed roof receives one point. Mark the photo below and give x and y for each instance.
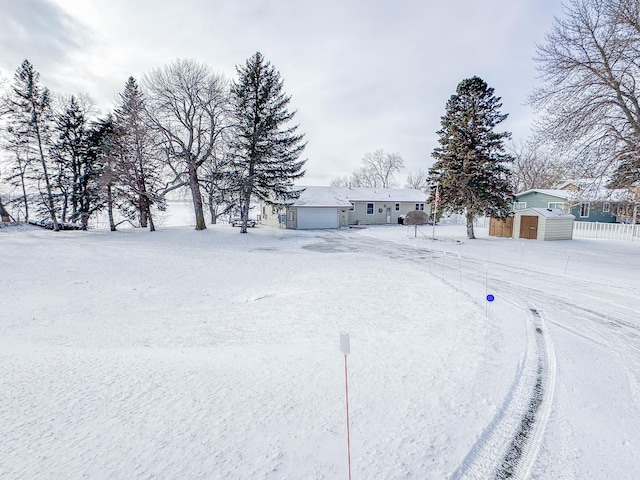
(548, 212)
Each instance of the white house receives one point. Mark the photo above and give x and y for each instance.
(335, 207)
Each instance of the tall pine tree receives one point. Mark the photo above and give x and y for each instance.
(471, 163)
(265, 150)
(29, 107)
(138, 166)
(69, 153)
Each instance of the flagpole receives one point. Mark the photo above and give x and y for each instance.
(435, 207)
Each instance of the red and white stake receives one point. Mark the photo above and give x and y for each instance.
(346, 349)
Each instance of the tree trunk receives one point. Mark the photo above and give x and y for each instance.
(152, 226)
(244, 213)
(470, 234)
(194, 185)
(212, 209)
(22, 170)
(4, 215)
(112, 224)
(51, 206)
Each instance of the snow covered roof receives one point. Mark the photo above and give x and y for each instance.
(548, 212)
(582, 191)
(322, 197)
(314, 196)
(566, 194)
(593, 189)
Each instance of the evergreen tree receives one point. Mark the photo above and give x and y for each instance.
(265, 150)
(29, 107)
(471, 165)
(101, 147)
(69, 153)
(138, 166)
(78, 169)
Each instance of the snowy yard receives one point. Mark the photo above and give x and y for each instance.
(184, 354)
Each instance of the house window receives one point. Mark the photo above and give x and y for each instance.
(419, 206)
(369, 208)
(606, 207)
(520, 206)
(397, 207)
(264, 210)
(556, 205)
(584, 210)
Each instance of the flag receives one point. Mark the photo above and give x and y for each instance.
(437, 199)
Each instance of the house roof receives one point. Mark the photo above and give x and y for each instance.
(321, 197)
(565, 194)
(315, 196)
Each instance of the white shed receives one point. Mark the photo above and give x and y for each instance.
(543, 224)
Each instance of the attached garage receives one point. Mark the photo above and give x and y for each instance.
(317, 217)
(543, 224)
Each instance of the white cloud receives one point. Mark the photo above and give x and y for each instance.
(363, 74)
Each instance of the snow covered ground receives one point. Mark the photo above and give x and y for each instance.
(184, 354)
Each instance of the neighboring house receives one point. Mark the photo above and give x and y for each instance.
(586, 200)
(335, 207)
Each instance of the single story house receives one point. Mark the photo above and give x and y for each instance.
(587, 202)
(335, 207)
(543, 224)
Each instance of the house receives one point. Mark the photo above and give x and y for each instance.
(543, 224)
(335, 207)
(587, 200)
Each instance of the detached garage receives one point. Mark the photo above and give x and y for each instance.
(543, 224)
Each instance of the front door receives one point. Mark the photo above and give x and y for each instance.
(388, 214)
(529, 227)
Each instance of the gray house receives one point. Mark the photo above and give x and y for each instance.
(335, 207)
(588, 200)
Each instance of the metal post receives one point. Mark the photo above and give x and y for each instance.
(435, 208)
(345, 347)
(346, 389)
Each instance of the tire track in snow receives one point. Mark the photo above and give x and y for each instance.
(509, 446)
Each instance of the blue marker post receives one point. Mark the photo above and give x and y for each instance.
(490, 298)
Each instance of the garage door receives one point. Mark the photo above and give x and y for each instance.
(317, 218)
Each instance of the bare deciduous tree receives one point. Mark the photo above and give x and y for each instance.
(418, 180)
(381, 167)
(534, 167)
(589, 100)
(189, 106)
(377, 171)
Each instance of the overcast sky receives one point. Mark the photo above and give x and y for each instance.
(363, 74)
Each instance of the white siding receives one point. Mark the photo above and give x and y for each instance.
(558, 229)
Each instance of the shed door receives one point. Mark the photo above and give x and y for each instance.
(529, 227)
(501, 228)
